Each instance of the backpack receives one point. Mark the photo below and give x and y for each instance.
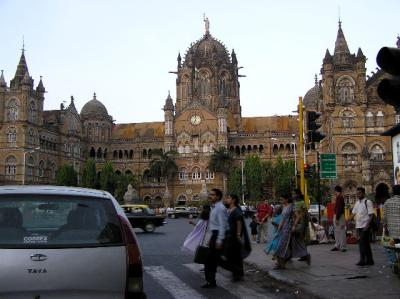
(373, 225)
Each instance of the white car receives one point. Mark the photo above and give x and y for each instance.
(63, 242)
(313, 210)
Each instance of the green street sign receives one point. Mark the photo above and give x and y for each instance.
(328, 166)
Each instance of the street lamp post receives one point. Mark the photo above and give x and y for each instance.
(295, 158)
(242, 162)
(24, 162)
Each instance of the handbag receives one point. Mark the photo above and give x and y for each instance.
(202, 252)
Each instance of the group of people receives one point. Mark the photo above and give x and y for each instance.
(222, 229)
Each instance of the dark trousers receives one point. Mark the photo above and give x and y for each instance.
(233, 253)
(364, 244)
(214, 260)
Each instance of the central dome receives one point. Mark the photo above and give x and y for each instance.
(207, 48)
(94, 107)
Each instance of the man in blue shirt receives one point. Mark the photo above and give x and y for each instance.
(217, 226)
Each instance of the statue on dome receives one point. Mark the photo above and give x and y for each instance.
(206, 23)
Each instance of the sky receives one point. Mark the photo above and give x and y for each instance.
(123, 50)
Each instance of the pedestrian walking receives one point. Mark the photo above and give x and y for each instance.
(264, 211)
(300, 229)
(339, 222)
(237, 243)
(217, 226)
(283, 249)
(275, 221)
(195, 237)
(391, 224)
(253, 227)
(363, 212)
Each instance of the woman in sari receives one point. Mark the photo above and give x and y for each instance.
(237, 242)
(283, 250)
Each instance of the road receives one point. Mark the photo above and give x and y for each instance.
(171, 273)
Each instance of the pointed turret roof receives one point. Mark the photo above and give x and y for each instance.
(27, 80)
(233, 55)
(328, 57)
(341, 48)
(169, 105)
(22, 69)
(3, 82)
(40, 86)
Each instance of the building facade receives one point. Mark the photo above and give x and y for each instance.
(353, 118)
(206, 115)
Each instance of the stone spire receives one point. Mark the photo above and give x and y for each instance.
(40, 86)
(328, 57)
(179, 59)
(234, 59)
(169, 105)
(26, 80)
(3, 82)
(22, 68)
(360, 55)
(341, 48)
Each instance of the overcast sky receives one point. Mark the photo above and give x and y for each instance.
(123, 50)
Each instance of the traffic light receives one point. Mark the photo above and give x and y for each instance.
(389, 89)
(313, 135)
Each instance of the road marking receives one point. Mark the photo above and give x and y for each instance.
(176, 287)
(239, 289)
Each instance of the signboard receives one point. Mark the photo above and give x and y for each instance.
(328, 166)
(396, 158)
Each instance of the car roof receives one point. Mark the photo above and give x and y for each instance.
(54, 190)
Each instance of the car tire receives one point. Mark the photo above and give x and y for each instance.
(172, 216)
(190, 216)
(149, 227)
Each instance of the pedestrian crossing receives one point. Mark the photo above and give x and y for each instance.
(177, 288)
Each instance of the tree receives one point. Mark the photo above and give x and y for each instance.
(268, 177)
(221, 161)
(107, 178)
(283, 173)
(254, 177)
(66, 176)
(163, 165)
(235, 181)
(89, 175)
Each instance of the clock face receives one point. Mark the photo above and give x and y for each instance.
(195, 120)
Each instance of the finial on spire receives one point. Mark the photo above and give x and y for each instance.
(206, 23)
(340, 21)
(398, 41)
(23, 45)
(94, 96)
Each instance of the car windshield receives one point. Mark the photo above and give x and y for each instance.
(49, 221)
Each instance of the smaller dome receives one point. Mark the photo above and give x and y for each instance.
(313, 96)
(94, 107)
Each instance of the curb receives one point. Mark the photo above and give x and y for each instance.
(281, 279)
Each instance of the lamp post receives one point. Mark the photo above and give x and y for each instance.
(295, 157)
(24, 162)
(242, 164)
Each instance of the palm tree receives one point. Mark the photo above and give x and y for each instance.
(163, 165)
(221, 161)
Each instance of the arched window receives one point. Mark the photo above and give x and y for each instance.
(11, 136)
(92, 153)
(348, 117)
(205, 147)
(41, 169)
(196, 174)
(120, 154)
(53, 171)
(32, 112)
(350, 159)
(130, 154)
(12, 110)
(346, 91)
(211, 147)
(31, 136)
(209, 175)
(11, 168)
(187, 149)
(369, 119)
(99, 153)
(377, 153)
(146, 176)
(30, 164)
(182, 174)
(181, 149)
(204, 85)
(380, 120)
(195, 197)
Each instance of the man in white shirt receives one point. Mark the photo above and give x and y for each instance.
(363, 212)
(217, 225)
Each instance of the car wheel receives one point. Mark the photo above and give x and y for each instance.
(149, 227)
(190, 216)
(172, 216)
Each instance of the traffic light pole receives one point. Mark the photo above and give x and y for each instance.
(318, 188)
(301, 146)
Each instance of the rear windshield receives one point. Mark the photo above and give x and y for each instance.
(49, 221)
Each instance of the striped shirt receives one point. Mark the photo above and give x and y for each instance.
(391, 216)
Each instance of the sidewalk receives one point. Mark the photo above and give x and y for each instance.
(334, 274)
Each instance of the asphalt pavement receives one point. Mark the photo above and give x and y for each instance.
(171, 273)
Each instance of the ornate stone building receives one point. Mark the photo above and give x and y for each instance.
(353, 117)
(205, 115)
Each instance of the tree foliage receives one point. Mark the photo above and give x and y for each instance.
(107, 178)
(254, 178)
(66, 176)
(221, 161)
(163, 165)
(89, 175)
(235, 181)
(283, 176)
